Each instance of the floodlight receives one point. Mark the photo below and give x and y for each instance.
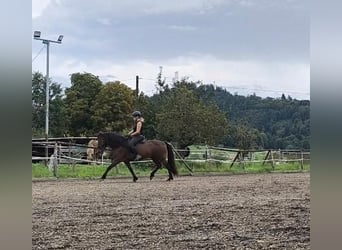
(36, 34)
(60, 38)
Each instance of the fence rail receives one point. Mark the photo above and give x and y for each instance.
(71, 152)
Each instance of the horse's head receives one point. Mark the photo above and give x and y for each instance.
(112, 140)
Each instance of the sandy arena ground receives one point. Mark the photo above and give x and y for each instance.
(262, 211)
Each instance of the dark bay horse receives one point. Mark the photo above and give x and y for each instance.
(158, 151)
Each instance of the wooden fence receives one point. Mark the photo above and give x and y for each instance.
(72, 150)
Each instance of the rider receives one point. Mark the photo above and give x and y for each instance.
(136, 133)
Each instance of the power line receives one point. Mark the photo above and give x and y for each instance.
(125, 80)
(38, 53)
(237, 88)
(268, 90)
(155, 80)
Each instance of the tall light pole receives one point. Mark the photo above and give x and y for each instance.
(36, 36)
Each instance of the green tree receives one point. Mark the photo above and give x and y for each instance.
(56, 107)
(38, 104)
(57, 115)
(244, 137)
(185, 120)
(79, 100)
(282, 122)
(113, 107)
(161, 86)
(214, 120)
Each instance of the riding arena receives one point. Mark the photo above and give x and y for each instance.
(193, 211)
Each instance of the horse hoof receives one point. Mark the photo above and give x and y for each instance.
(151, 177)
(102, 179)
(135, 180)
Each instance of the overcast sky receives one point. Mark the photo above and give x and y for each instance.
(245, 46)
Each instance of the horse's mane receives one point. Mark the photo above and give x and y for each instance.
(113, 139)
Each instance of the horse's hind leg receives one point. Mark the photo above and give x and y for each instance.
(170, 173)
(135, 178)
(158, 166)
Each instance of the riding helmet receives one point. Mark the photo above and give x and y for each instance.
(136, 113)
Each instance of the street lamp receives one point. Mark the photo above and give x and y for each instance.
(36, 36)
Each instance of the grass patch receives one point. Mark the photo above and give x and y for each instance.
(91, 171)
(217, 167)
(142, 169)
(40, 171)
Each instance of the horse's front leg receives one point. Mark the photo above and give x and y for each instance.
(114, 163)
(135, 178)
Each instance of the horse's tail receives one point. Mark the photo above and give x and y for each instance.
(171, 159)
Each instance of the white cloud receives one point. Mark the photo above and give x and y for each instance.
(104, 21)
(182, 27)
(126, 35)
(126, 8)
(132, 8)
(247, 76)
(38, 6)
(243, 77)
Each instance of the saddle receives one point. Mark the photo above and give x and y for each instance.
(141, 140)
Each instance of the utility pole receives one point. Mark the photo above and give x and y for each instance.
(36, 36)
(136, 92)
(137, 86)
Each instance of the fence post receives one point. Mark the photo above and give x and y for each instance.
(208, 156)
(235, 158)
(69, 153)
(52, 164)
(266, 157)
(55, 160)
(59, 152)
(206, 153)
(302, 160)
(272, 160)
(243, 160)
